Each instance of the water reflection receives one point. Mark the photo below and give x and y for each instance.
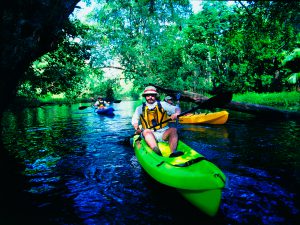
(77, 172)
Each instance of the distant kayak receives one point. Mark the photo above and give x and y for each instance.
(197, 179)
(209, 118)
(109, 111)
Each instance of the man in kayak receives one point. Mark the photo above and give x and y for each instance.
(100, 103)
(151, 114)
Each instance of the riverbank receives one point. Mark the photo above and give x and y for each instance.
(282, 100)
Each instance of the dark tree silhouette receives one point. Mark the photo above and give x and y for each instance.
(28, 29)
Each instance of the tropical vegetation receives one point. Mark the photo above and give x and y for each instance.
(121, 46)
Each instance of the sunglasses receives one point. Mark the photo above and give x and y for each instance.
(148, 95)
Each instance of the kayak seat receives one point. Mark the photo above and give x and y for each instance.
(175, 154)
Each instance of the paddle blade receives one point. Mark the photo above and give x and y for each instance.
(83, 107)
(217, 101)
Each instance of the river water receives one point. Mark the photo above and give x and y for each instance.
(64, 166)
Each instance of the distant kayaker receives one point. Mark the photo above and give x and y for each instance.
(100, 103)
(151, 114)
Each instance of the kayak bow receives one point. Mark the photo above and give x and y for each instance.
(197, 179)
(105, 111)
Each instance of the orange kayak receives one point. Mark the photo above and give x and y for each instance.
(209, 118)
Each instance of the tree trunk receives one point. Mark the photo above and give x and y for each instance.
(255, 109)
(262, 110)
(28, 29)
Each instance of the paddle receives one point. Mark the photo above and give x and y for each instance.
(83, 107)
(177, 103)
(216, 101)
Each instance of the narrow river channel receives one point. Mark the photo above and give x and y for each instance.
(68, 166)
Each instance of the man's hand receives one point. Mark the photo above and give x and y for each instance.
(174, 116)
(138, 131)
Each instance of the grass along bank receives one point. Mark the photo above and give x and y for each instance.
(26, 102)
(287, 100)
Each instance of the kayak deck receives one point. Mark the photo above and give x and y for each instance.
(209, 118)
(106, 111)
(196, 178)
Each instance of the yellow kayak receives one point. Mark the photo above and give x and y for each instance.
(209, 118)
(197, 179)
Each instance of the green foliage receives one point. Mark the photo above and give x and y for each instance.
(239, 46)
(271, 99)
(61, 71)
(291, 64)
(236, 47)
(143, 37)
(294, 78)
(292, 61)
(244, 47)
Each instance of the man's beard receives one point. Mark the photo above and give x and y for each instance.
(151, 104)
(151, 101)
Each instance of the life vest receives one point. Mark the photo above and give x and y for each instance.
(101, 104)
(153, 117)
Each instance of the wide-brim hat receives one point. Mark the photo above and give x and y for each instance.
(149, 90)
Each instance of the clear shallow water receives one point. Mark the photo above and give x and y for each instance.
(70, 166)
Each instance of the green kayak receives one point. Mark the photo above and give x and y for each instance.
(196, 178)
